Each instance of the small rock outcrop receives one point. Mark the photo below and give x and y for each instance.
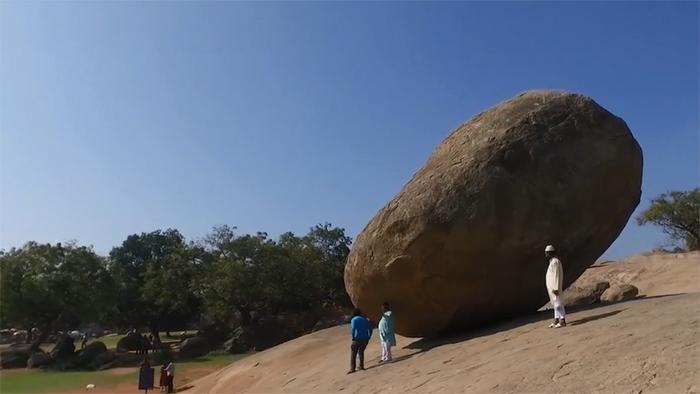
(194, 347)
(88, 355)
(130, 342)
(64, 347)
(584, 295)
(619, 293)
(38, 360)
(15, 356)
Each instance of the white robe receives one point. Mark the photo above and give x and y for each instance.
(554, 279)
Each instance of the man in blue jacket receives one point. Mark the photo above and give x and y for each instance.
(361, 330)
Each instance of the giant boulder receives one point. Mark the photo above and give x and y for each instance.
(462, 243)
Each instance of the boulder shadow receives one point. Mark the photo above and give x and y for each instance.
(426, 344)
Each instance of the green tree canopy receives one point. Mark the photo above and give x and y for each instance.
(261, 276)
(678, 215)
(53, 286)
(155, 274)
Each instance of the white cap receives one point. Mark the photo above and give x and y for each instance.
(549, 248)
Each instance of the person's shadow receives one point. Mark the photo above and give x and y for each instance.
(595, 317)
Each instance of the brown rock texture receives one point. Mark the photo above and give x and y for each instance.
(461, 245)
(619, 293)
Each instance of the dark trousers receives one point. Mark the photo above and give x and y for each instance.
(358, 349)
(170, 384)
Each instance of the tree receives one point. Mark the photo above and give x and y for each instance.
(155, 275)
(258, 276)
(53, 287)
(678, 215)
(334, 248)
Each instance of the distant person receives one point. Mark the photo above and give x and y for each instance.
(170, 376)
(555, 283)
(386, 332)
(139, 344)
(85, 341)
(163, 378)
(361, 331)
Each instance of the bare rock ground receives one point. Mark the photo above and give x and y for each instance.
(651, 344)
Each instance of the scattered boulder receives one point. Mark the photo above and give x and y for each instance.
(126, 360)
(262, 335)
(328, 323)
(194, 347)
(102, 359)
(64, 347)
(619, 293)
(88, 355)
(15, 356)
(584, 295)
(215, 333)
(462, 244)
(129, 342)
(38, 359)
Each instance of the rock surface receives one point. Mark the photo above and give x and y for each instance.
(88, 355)
(38, 359)
(462, 243)
(130, 342)
(15, 356)
(264, 334)
(64, 348)
(194, 347)
(575, 295)
(619, 293)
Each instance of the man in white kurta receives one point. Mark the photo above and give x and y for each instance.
(555, 283)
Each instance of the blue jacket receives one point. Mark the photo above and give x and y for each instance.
(360, 328)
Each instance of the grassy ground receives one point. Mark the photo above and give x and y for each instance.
(37, 381)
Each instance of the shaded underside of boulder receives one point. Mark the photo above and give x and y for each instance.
(462, 243)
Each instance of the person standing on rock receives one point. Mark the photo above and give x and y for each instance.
(361, 331)
(386, 333)
(555, 283)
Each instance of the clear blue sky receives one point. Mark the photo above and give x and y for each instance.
(125, 117)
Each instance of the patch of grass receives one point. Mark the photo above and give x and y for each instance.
(37, 381)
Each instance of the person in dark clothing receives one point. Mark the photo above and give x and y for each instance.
(361, 331)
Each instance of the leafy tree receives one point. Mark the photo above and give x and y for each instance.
(258, 276)
(678, 215)
(53, 286)
(334, 248)
(155, 275)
